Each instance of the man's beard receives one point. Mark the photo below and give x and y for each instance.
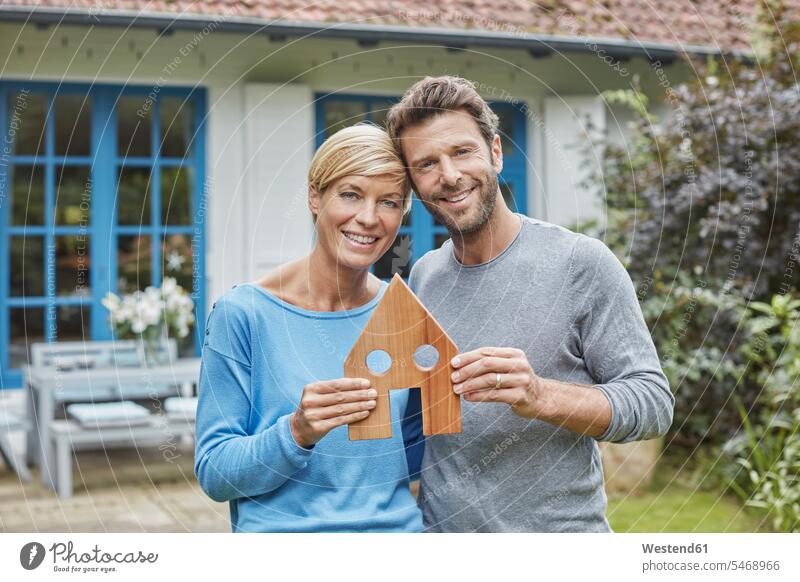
(487, 199)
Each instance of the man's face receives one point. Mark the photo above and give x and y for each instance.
(453, 170)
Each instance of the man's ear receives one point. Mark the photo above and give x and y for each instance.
(497, 154)
(313, 199)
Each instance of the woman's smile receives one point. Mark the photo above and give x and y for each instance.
(362, 241)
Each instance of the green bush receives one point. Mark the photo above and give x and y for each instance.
(703, 208)
(765, 471)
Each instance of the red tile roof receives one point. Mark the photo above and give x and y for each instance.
(722, 24)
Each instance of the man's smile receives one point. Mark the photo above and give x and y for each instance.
(457, 199)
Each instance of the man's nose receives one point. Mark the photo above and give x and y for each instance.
(450, 174)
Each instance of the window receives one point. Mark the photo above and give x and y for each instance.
(100, 190)
(420, 233)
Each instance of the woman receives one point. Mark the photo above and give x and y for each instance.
(273, 407)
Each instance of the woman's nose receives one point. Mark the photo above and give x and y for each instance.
(368, 216)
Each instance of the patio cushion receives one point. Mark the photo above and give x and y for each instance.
(109, 413)
(181, 406)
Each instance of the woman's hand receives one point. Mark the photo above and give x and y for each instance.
(328, 404)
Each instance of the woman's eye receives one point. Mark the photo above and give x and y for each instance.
(392, 203)
(349, 195)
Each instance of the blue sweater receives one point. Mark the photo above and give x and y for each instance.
(259, 353)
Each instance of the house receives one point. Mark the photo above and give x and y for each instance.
(416, 353)
(145, 139)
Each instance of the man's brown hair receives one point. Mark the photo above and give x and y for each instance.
(432, 96)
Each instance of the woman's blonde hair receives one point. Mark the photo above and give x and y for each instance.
(363, 149)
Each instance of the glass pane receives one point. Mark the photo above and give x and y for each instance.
(27, 196)
(26, 116)
(72, 323)
(408, 216)
(73, 129)
(379, 112)
(177, 259)
(341, 114)
(176, 187)
(396, 260)
(133, 263)
(440, 239)
(134, 126)
(508, 195)
(133, 196)
(26, 326)
(27, 266)
(73, 196)
(72, 264)
(506, 130)
(176, 118)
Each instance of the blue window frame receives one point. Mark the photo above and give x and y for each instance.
(101, 189)
(420, 231)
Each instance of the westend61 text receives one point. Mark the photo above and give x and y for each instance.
(670, 549)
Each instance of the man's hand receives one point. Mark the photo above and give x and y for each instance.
(500, 375)
(577, 407)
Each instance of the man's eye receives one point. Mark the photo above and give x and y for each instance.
(425, 165)
(462, 152)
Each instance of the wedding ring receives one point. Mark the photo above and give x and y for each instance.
(497, 382)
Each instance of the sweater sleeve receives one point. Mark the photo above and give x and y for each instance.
(229, 461)
(617, 347)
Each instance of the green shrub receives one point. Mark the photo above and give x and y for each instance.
(765, 468)
(703, 208)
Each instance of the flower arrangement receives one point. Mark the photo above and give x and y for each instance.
(150, 313)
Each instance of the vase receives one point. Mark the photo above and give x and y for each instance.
(155, 345)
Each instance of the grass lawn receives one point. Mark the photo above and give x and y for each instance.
(677, 503)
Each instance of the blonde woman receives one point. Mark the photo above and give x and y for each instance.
(273, 407)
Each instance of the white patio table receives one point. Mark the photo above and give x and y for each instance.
(44, 385)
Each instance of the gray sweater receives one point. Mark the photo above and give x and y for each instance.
(567, 301)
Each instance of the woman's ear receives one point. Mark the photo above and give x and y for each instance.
(313, 200)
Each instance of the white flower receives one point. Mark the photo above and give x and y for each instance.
(111, 302)
(175, 261)
(169, 286)
(137, 325)
(140, 311)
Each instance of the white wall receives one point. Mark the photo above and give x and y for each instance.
(567, 151)
(279, 143)
(226, 240)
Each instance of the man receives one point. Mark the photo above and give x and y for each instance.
(555, 354)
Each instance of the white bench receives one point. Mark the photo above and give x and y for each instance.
(9, 423)
(102, 354)
(69, 436)
(114, 375)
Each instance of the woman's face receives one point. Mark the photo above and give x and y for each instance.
(358, 218)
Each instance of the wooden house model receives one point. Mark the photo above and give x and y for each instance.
(399, 326)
